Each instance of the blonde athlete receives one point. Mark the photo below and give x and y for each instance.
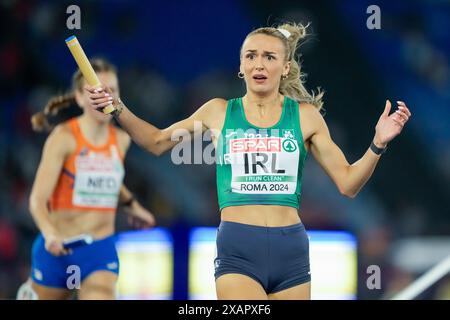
(262, 140)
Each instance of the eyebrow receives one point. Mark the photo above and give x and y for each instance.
(265, 52)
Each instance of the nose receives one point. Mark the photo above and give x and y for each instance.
(259, 64)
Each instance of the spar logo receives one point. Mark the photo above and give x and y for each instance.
(245, 145)
(289, 145)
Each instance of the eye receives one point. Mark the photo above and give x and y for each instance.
(269, 57)
(250, 56)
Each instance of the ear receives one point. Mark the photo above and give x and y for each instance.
(241, 68)
(287, 67)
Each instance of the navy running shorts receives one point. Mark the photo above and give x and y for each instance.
(276, 257)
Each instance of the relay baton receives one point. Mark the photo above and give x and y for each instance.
(85, 67)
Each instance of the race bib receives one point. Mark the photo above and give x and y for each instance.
(98, 180)
(264, 165)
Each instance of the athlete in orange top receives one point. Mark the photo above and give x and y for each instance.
(77, 189)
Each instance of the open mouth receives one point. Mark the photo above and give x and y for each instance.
(259, 78)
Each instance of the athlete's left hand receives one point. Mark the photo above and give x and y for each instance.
(139, 217)
(390, 126)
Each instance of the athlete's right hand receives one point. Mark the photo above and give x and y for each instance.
(54, 245)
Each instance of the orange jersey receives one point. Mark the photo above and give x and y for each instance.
(91, 177)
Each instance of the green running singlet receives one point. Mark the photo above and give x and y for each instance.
(260, 165)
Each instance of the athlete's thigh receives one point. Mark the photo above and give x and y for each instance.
(50, 293)
(299, 292)
(99, 285)
(234, 286)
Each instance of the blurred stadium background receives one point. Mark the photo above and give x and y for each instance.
(173, 56)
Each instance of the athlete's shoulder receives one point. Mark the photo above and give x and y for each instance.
(63, 131)
(213, 107)
(217, 103)
(309, 109)
(311, 117)
(61, 138)
(211, 113)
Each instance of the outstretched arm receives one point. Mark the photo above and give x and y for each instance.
(146, 135)
(351, 178)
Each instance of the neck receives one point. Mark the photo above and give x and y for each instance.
(262, 102)
(93, 130)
